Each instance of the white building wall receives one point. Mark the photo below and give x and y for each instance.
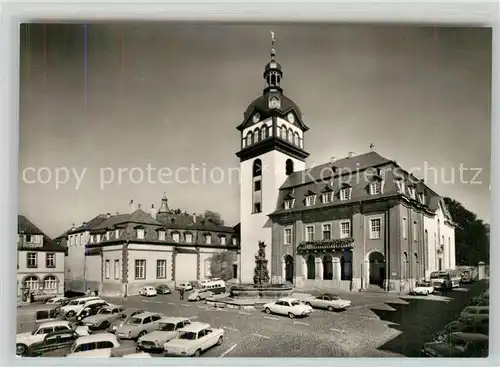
(41, 271)
(257, 227)
(75, 262)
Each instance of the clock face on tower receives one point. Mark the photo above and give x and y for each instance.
(291, 118)
(274, 102)
(256, 117)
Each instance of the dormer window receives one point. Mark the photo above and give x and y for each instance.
(289, 204)
(223, 240)
(234, 241)
(421, 197)
(175, 237)
(161, 235)
(91, 239)
(117, 233)
(188, 237)
(400, 185)
(375, 188)
(98, 238)
(208, 239)
(411, 189)
(310, 200)
(108, 235)
(140, 233)
(345, 194)
(326, 197)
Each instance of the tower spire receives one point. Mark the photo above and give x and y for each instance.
(164, 205)
(272, 71)
(273, 43)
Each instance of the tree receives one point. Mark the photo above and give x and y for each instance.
(261, 273)
(213, 217)
(472, 235)
(221, 265)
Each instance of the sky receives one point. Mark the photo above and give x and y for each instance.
(102, 99)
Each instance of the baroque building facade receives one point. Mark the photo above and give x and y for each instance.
(354, 223)
(119, 254)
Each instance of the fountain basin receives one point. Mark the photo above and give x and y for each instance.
(255, 291)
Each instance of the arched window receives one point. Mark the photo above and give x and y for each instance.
(257, 168)
(32, 282)
(296, 139)
(256, 135)
(263, 133)
(283, 132)
(311, 267)
(273, 79)
(345, 269)
(289, 166)
(290, 135)
(405, 265)
(301, 143)
(50, 283)
(249, 138)
(327, 267)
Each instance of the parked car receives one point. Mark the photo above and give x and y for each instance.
(163, 289)
(329, 301)
(41, 296)
(475, 313)
(103, 318)
(139, 325)
(76, 305)
(91, 308)
(422, 289)
(458, 345)
(193, 340)
(463, 327)
(52, 342)
(168, 328)
(199, 294)
(123, 317)
(483, 298)
(186, 286)
(288, 306)
(25, 340)
(57, 300)
(50, 312)
(96, 345)
(148, 291)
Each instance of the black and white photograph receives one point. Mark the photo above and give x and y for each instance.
(253, 190)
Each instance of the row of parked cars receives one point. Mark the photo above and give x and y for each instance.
(90, 326)
(465, 337)
(196, 291)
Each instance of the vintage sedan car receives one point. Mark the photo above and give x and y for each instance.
(123, 317)
(52, 343)
(91, 309)
(193, 340)
(422, 289)
(163, 289)
(475, 313)
(186, 286)
(148, 291)
(288, 306)
(483, 298)
(199, 294)
(96, 345)
(57, 300)
(328, 301)
(139, 325)
(77, 304)
(464, 327)
(103, 318)
(458, 345)
(168, 328)
(25, 340)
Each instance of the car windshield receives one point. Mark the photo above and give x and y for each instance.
(104, 311)
(187, 335)
(167, 327)
(295, 303)
(73, 303)
(455, 342)
(134, 321)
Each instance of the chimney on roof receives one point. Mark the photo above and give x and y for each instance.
(153, 211)
(108, 215)
(84, 223)
(139, 206)
(73, 226)
(372, 147)
(132, 206)
(333, 159)
(194, 217)
(350, 154)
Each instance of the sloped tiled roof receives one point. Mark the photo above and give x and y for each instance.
(25, 226)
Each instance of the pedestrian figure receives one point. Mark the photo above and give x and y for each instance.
(181, 291)
(96, 292)
(89, 292)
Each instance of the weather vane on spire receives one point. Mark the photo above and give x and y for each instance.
(272, 38)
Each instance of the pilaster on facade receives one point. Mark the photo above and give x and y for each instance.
(198, 263)
(174, 255)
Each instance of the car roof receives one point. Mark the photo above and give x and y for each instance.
(131, 309)
(173, 319)
(289, 299)
(54, 323)
(471, 336)
(329, 294)
(196, 326)
(478, 307)
(147, 314)
(97, 338)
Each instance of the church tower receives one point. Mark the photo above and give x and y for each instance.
(272, 147)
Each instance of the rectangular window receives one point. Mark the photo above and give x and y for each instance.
(326, 197)
(108, 234)
(208, 239)
(375, 188)
(257, 185)
(107, 269)
(412, 192)
(117, 269)
(309, 233)
(310, 200)
(175, 237)
(98, 238)
(161, 235)
(327, 231)
(31, 260)
(50, 260)
(223, 240)
(161, 269)
(415, 232)
(28, 238)
(208, 270)
(140, 234)
(288, 236)
(188, 237)
(234, 241)
(257, 208)
(345, 194)
(288, 204)
(345, 229)
(117, 233)
(422, 198)
(375, 228)
(140, 269)
(403, 229)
